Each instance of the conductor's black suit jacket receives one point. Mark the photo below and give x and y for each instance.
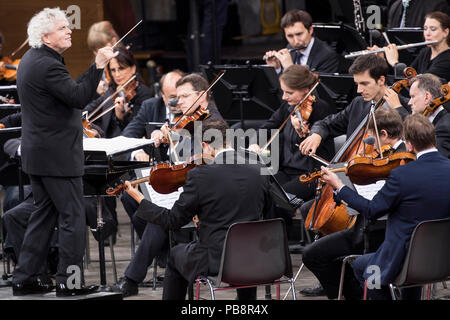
(220, 194)
(51, 113)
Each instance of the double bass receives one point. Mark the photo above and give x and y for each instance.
(325, 216)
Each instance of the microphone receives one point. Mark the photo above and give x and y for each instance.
(370, 142)
(172, 103)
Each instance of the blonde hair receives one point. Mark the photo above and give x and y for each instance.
(43, 23)
(100, 34)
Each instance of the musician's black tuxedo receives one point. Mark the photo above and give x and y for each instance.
(52, 154)
(442, 128)
(152, 110)
(322, 58)
(220, 194)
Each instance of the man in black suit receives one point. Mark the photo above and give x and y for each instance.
(415, 192)
(158, 109)
(220, 194)
(299, 32)
(154, 239)
(52, 151)
(425, 88)
(321, 257)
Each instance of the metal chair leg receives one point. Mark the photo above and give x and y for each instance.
(113, 258)
(155, 273)
(392, 289)
(295, 279)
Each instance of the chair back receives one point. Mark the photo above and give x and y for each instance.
(428, 257)
(255, 252)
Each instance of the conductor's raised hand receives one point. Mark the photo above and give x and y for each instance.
(104, 55)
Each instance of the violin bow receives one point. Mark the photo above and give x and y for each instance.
(216, 79)
(19, 48)
(292, 112)
(120, 40)
(119, 88)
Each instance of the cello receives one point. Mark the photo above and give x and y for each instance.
(325, 216)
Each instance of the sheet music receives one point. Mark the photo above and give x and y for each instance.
(370, 190)
(114, 145)
(162, 200)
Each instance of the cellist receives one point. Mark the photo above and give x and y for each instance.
(320, 256)
(369, 74)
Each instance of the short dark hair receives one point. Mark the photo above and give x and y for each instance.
(196, 80)
(298, 77)
(217, 124)
(376, 66)
(419, 131)
(295, 15)
(387, 119)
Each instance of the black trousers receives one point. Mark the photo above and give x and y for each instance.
(58, 200)
(180, 268)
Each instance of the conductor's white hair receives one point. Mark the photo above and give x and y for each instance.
(43, 23)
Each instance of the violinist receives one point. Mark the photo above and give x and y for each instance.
(189, 88)
(313, 53)
(321, 256)
(52, 151)
(210, 192)
(121, 68)
(402, 198)
(424, 89)
(435, 58)
(296, 81)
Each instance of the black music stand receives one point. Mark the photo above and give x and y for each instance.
(101, 171)
(402, 36)
(336, 89)
(7, 109)
(245, 92)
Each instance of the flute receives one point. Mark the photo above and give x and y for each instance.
(405, 46)
(290, 50)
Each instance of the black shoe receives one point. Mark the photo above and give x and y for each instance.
(21, 289)
(126, 287)
(63, 291)
(313, 292)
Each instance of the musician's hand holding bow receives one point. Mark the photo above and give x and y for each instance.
(103, 56)
(134, 192)
(255, 148)
(331, 178)
(141, 156)
(310, 144)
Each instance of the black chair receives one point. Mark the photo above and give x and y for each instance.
(428, 257)
(254, 254)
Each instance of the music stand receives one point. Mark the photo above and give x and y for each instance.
(402, 36)
(245, 92)
(6, 109)
(336, 89)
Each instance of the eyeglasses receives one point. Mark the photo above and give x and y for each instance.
(184, 96)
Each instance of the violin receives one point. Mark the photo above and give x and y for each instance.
(165, 178)
(434, 104)
(364, 170)
(8, 68)
(303, 112)
(325, 216)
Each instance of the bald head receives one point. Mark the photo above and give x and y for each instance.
(168, 88)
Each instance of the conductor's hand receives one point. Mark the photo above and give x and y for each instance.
(331, 178)
(310, 144)
(134, 192)
(103, 56)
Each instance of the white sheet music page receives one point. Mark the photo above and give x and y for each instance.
(114, 145)
(370, 190)
(162, 200)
